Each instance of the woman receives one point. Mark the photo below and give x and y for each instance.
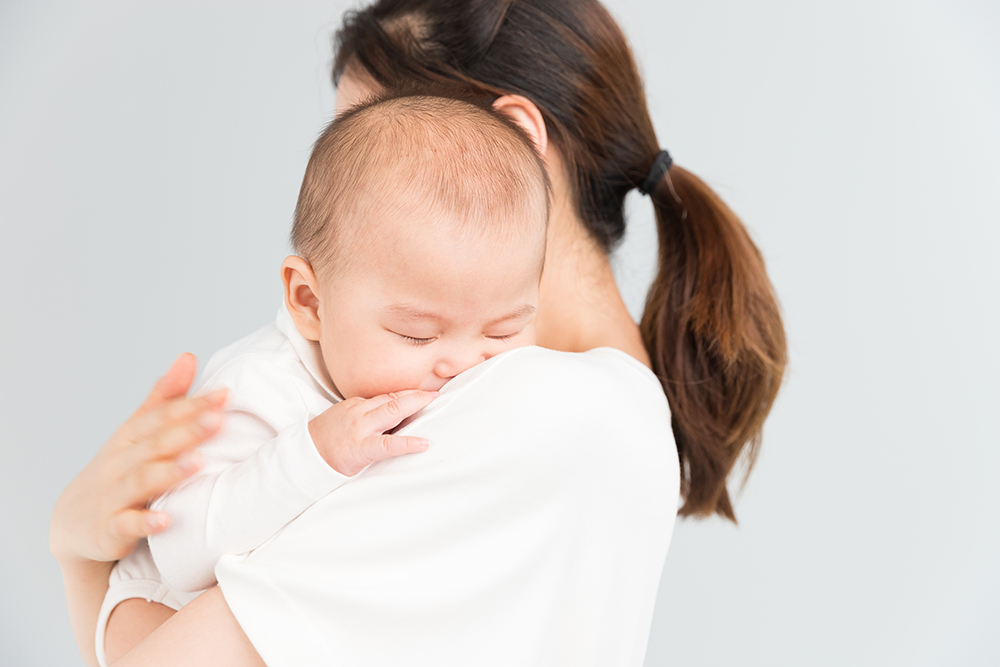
(711, 331)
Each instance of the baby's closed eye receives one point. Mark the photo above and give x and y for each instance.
(415, 340)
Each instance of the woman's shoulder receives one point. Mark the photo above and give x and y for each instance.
(573, 402)
(550, 484)
(568, 380)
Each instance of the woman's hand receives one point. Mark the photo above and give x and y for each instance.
(102, 513)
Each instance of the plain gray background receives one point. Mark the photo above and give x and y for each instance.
(150, 156)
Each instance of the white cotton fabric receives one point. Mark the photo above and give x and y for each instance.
(533, 531)
(261, 470)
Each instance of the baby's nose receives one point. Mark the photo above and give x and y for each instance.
(457, 362)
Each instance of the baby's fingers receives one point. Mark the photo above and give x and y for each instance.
(382, 399)
(381, 447)
(389, 414)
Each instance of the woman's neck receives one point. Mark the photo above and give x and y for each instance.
(580, 305)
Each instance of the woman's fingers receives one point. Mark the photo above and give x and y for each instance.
(179, 436)
(387, 415)
(101, 514)
(381, 447)
(156, 450)
(135, 524)
(130, 526)
(147, 426)
(151, 478)
(175, 382)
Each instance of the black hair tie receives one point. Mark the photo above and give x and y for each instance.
(660, 166)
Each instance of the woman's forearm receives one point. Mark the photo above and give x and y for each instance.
(86, 583)
(203, 633)
(131, 622)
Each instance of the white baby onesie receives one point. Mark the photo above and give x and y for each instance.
(260, 472)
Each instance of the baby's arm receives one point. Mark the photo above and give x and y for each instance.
(264, 468)
(236, 505)
(260, 471)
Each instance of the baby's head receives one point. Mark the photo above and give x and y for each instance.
(420, 235)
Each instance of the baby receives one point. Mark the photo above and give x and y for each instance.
(420, 235)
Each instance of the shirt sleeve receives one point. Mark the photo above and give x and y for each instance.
(260, 472)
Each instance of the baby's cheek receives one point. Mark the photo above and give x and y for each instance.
(395, 372)
(527, 337)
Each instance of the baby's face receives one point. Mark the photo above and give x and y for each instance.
(423, 306)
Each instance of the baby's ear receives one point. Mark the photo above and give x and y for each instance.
(301, 295)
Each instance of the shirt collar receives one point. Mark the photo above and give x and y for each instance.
(308, 352)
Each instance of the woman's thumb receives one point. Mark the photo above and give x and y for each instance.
(175, 382)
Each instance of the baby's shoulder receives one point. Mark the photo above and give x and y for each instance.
(259, 370)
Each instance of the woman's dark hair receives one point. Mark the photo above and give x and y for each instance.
(712, 325)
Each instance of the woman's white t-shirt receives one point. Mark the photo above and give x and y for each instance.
(533, 531)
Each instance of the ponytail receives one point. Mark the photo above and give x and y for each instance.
(711, 325)
(714, 334)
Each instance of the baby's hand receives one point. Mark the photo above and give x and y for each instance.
(352, 433)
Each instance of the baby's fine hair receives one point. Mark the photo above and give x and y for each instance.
(406, 152)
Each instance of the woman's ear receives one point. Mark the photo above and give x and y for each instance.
(524, 112)
(301, 295)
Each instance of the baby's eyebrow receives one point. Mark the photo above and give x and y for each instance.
(517, 314)
(412, 312)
